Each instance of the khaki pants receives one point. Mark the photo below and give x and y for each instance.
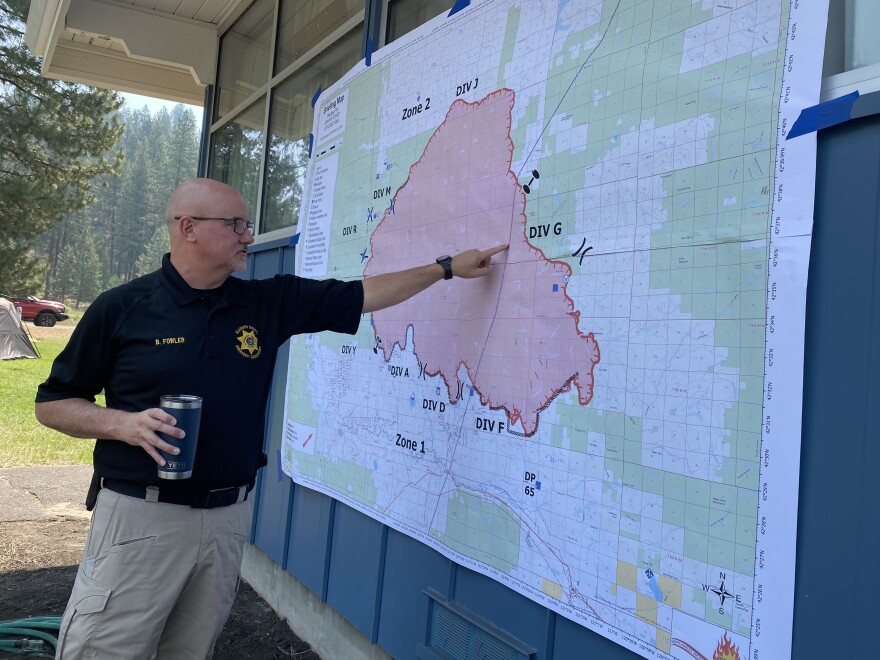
(156, 580)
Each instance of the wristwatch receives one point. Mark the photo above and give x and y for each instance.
(446, 262)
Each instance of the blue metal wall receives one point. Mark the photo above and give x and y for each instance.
(839, 516)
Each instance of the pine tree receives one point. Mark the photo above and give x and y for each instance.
(126, 219)
(183, 146)
(55, 138)
(151, 258)
(141, 212)
(78, 271)
(285, 175)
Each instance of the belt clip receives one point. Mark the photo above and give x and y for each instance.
(242, 494)
(152, 494)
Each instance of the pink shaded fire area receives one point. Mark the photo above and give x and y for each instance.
(515, 331)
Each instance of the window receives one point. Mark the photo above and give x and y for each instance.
(304, 24)
(237, 151)
(852, 50)
(292, 116)
(244, 57)
(406, 15)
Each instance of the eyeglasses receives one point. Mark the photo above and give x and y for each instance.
(239, 225)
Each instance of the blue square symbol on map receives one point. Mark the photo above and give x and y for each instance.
(538, 485)
(555, 288)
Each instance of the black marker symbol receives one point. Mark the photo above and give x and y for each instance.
(535, 175)
(722, 593)
(378, 343)
(584, 254)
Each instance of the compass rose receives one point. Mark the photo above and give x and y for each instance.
(721, 592)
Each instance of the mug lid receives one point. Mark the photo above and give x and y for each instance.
(180, 401)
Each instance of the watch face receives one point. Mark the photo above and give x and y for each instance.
(443, 258)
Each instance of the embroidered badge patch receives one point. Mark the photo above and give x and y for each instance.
(248, 344)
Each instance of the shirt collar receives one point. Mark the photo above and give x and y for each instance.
(183, 294)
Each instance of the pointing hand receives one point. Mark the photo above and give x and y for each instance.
(475, 263)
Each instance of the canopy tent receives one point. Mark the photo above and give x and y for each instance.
(14, 339)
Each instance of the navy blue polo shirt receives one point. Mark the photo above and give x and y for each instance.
(156, 335)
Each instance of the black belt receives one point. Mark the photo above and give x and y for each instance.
(204, 499)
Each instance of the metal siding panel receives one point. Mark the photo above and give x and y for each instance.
(516, 615)
(356, 553)
(839, 508)
(410, 566)
(272, 506)
(265, 264)
(288, 260)
(309, 538)
(575, 641)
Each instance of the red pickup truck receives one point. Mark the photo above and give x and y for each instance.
(42, 312)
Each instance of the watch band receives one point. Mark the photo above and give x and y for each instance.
(446, 263)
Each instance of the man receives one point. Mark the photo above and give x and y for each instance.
(160, 569)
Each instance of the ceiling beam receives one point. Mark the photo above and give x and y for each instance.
(42, 15)
(102, 67)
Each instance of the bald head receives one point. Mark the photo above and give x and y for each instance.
(200, 197)
(205, 250)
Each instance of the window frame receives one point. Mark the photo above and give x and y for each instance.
(864, 79)
(265, 92)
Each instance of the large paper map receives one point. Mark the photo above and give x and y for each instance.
(597, 424)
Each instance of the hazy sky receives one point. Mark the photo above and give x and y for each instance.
(135, 102)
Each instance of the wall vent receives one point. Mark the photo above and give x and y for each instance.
(455, 633)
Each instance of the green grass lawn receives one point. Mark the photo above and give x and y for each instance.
(23, 441)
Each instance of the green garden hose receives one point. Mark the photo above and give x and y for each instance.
(29, 636)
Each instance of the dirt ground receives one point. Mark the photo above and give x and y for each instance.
(42, 534)
(38, 563)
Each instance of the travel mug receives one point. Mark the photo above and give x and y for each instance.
(187, 410)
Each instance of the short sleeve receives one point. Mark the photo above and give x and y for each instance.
(81, 370)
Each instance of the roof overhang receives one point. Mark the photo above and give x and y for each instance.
(137, 48)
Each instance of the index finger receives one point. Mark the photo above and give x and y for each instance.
(160, 415)
(495, 250)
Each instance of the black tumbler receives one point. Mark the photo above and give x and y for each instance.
(187, 410)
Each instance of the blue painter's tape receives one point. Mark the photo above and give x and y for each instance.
(280, 471)
(295, 238)
(311, 140)
(369, 58)
(317, 94)
(823, 115)
(458, 6)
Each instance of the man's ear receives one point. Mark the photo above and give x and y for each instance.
(186, 229)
